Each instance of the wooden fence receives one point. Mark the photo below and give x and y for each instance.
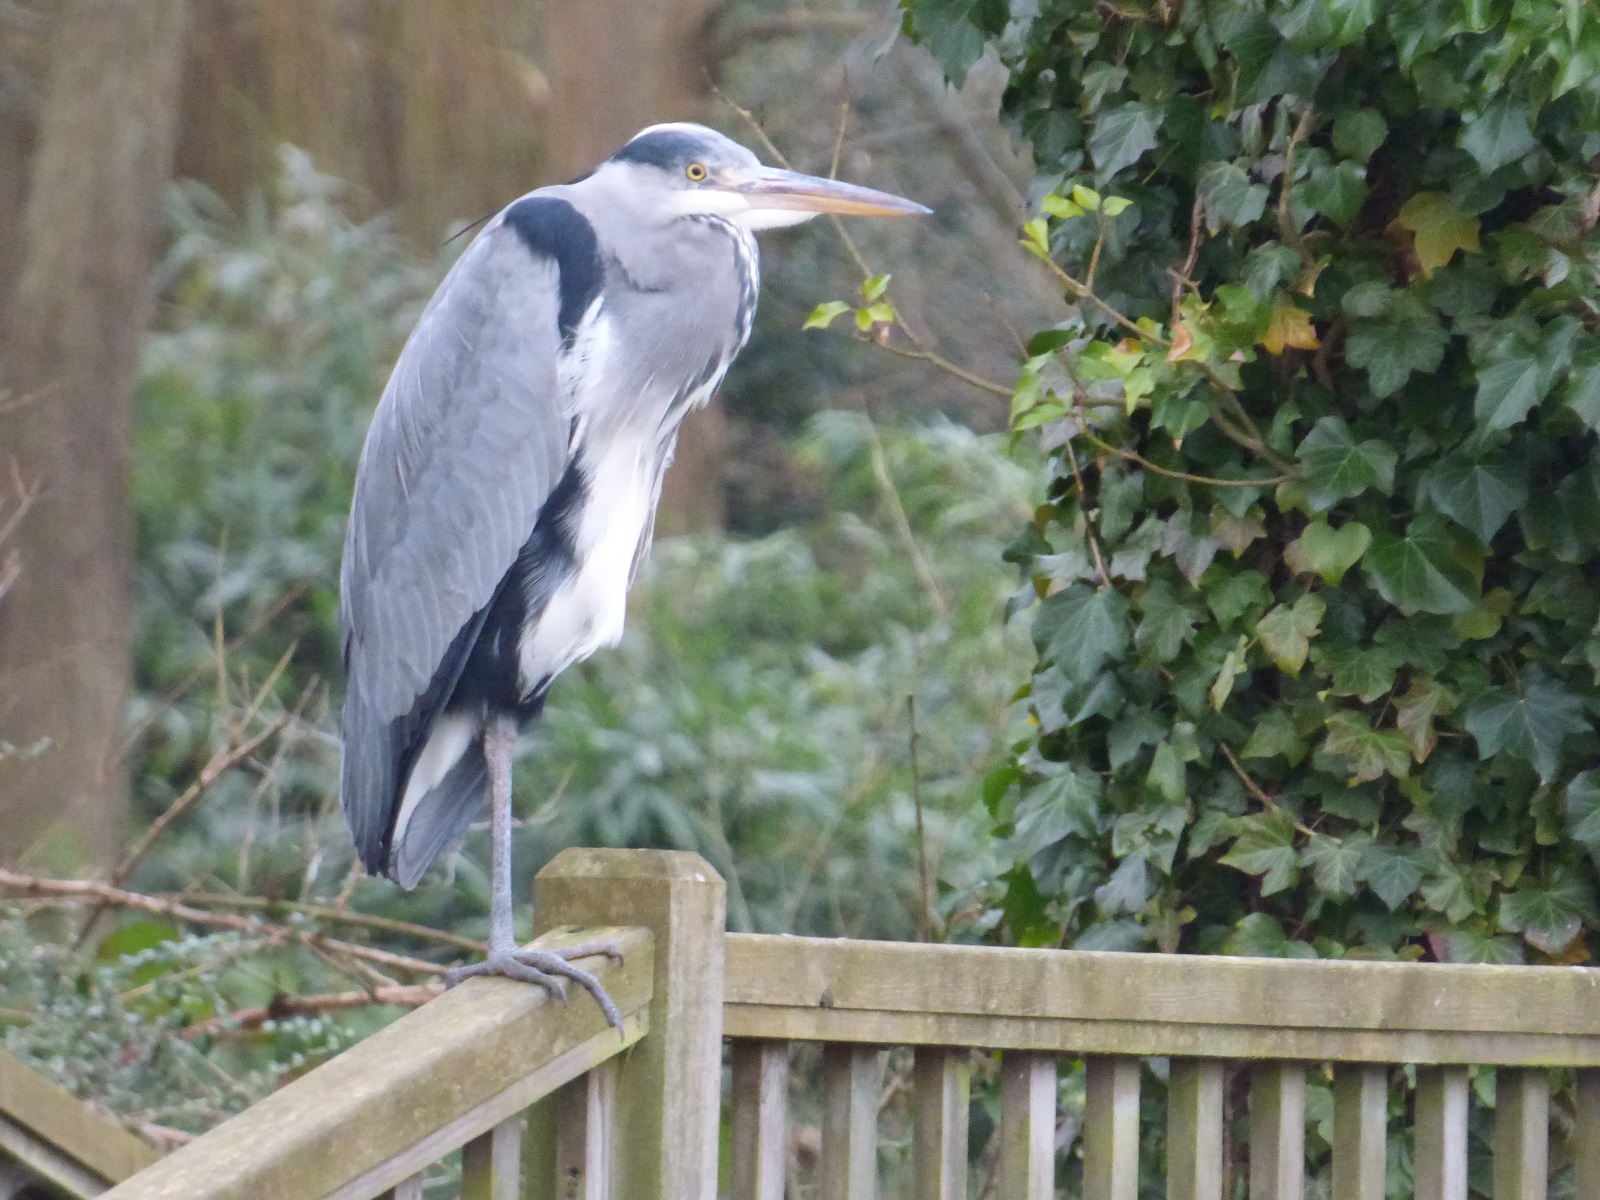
(544, 1101)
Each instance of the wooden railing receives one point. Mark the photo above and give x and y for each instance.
(52, 1142)
(544, 1101)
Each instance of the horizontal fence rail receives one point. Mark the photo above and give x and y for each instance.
(436, 1080)
(1103, 1002)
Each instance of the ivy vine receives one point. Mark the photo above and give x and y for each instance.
(1315, 590)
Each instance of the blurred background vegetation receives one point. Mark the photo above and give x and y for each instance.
(818, 671)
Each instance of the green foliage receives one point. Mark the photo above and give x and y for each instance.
(1314, 588)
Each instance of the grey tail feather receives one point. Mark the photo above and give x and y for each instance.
(442, 817)
(366, 782)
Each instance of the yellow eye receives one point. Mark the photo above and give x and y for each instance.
(696, 172)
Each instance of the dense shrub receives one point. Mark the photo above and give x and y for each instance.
(1316, 582)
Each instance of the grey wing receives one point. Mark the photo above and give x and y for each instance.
(467, 443)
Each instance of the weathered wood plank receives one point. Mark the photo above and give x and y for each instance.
(1111, 1129)
(1586, 1135)
(1360, 1131)
(1027, 1154)
(1521, 1134)
(1277, 1131)
(432, 1081)
(44, 1161)
(1441, 1133)
(584, 1115)
(406, 1189)
(760, 1100)
(1194, 1129)
(103, 1148)
(906, 1027)
(1161, 988)
(852, 1081)
(943, 1079)
(669, 1091)
(491, 1163)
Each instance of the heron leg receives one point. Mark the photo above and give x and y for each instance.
(550, 969)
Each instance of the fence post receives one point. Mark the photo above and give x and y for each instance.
(669, 1085)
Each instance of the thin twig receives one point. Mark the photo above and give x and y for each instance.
(944, 364)
(1286, 229)
(902, 523)
(1171, 474)
(82, 891)
(337, 916)
(1182, 278)
(1257, 791)
(1088, 529)
(284, 1007)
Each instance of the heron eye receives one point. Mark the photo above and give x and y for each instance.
(696, 172)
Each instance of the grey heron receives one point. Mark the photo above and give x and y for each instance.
(507, 489)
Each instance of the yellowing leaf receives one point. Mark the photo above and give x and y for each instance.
(1060, 207)
(1439, 230)
(873, 288)
(1036, 237)
(1115, 206)
(1290, 326)
(1087, 197)
(822, 316)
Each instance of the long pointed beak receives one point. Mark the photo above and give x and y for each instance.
(768, 187)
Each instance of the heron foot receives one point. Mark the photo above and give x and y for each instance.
(550, 969)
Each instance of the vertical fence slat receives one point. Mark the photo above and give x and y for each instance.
(585, 1115)
(409, 1189)
(1111, 1128)
(1586, 1134)
(943, 1081)
(1194, 1129)
(1441, 1133)
(1277, 1131)
(669, 1085)
(852, 1080)
(1521, 1134)
(1360, 1131)
(1027, 1163)
(760, 1119)
(491, 1164)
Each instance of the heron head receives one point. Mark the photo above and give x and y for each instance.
(690, 169)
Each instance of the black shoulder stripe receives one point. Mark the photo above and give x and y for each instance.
(555, 230)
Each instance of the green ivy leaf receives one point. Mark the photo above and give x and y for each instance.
(1478, 496)
(1230, 198)
(1080, 628)
(953, 31)
(1338, 467)
(1583, 810)
(1531, 722)
(1509, 385)
(1337, 191)
(1416, 710)
(1233, 665)
(1392, 872)
(1274, 733)
(1261, 935)
(1064, 805)
(1409, 339)
(1328, 552)
(1370, 753)
(1123, 135)
(1549, 911)
(1265, 847)
(1286, 631)
(1335, 863)
(1166, 623)
(1358, 134)
(1499, 135)
(1424, 570)
(1583, 389)
(874, 287)
(1350, 19)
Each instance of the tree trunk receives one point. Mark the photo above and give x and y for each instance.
(69, 353)
(616, 66)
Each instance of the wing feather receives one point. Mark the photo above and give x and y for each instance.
(468, 441)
